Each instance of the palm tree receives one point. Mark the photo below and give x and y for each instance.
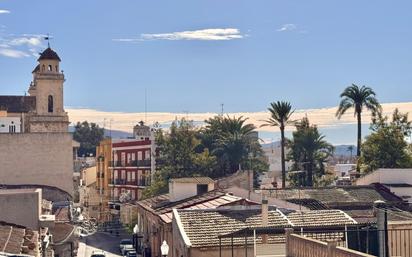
(231, 139)
(358, 98)
(350, 149)
(280, 113)
(309, 150)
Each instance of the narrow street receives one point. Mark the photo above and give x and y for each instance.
(101, 241)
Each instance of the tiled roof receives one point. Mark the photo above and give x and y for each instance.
(198, 180)
(49, 54)
(17, 104)
(16, 239)
(200, 224)
(61, 231)
(160, 205)
(319, 218)
(334, 197)
(62, 214)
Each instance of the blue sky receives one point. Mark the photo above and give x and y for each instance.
(194, 55)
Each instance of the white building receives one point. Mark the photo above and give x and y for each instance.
(399, 181)
(272, 153)
(10, 124)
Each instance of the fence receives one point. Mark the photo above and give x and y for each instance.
(301, 246)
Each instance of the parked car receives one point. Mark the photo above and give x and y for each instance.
(131, 254)
(98, 254)
(123, 243)
(126, 249)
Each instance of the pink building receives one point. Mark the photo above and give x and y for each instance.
(131, 168)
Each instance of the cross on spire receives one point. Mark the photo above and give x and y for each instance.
(48, 40)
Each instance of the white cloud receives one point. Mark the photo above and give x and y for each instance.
(13, 53)
(2, 11)
(216, 34)
(287, 27)
(30, 41)
(18, 46)
(323, 117)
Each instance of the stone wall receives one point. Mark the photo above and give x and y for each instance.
(21, 206)
(37, 159)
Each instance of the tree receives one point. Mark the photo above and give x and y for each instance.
(280, 113)
(217, 150)
(350, 150)
(89, 136)
(358, 98)
(386, 146)
(230, 139)
(179, 156)
(308, 151)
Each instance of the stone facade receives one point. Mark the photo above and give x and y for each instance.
(37, 159)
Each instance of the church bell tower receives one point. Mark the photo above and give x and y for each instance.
(47, 87)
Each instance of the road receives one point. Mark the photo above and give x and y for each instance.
(100, 241)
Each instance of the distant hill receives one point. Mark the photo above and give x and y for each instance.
(342, 150)
(114, 133)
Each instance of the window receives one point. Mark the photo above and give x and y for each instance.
(43, 68)
(49, 68)
(201, 189)
(57, 68)
(50, 103)
(139, 155)
(12, 129)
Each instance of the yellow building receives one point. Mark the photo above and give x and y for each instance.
(103, 159)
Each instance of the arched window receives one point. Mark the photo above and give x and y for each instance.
(43, 67)
(50, 103)
(50, 68)
(57, 68)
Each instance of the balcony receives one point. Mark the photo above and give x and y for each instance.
(118, 181)
(117, 164)
(141, 182)
(135, 163)
(141, 163)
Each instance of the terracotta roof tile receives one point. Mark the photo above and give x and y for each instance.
(161, 205)
(201, 224)
(198, 180)
(16, 239)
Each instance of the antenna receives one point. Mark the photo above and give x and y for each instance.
(187, 114)
(222, 105)
(145, 105)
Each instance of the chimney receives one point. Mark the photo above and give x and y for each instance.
(265, 218)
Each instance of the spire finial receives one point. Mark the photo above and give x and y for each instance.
(48, 40)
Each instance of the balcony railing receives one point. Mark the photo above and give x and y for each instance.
(135, 163)
(139, 182)
(141, 163)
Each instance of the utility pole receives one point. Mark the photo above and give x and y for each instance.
(222, 105)
(382, 223)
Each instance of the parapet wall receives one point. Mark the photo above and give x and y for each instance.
(37, 159)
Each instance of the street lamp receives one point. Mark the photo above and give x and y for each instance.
(164, 248)
(136, 237)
